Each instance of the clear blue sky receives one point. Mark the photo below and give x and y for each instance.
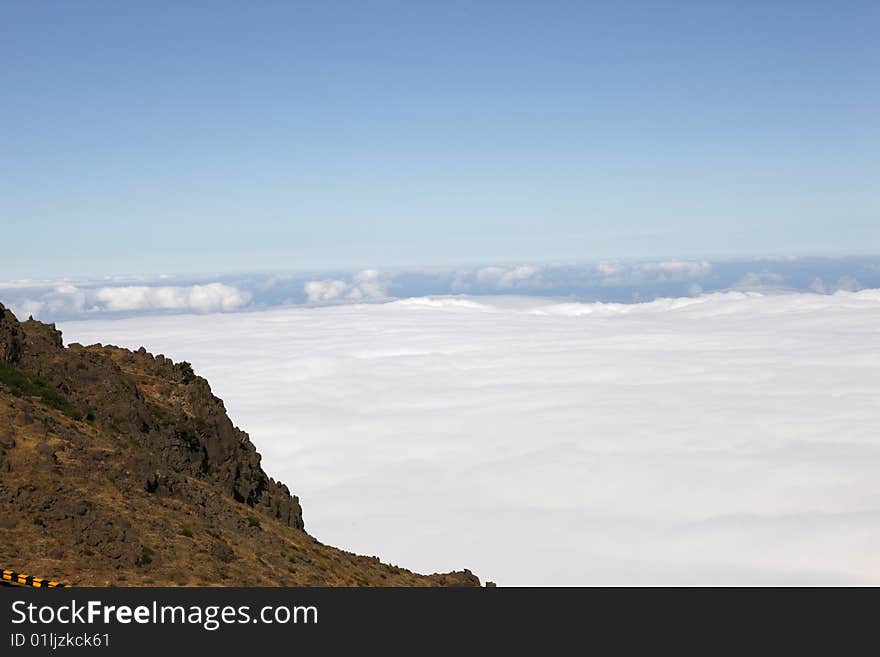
(222, 136)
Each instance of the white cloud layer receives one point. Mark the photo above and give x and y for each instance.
(725, 439)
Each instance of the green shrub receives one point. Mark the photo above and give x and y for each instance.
(188, 437)
(25, 384)
(146, 556)
(253, 521)
(186, 371)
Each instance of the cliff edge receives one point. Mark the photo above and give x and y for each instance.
(123, 468)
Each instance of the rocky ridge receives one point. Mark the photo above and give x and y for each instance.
(121, 467)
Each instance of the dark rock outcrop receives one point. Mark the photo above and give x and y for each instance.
(10, 337)
(151, 401)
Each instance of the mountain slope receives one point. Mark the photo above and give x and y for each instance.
(121, 468)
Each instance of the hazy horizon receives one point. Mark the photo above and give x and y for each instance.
(610, 281)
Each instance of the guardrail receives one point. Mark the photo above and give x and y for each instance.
(20, 579)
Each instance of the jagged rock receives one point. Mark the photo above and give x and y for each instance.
(10, 336)
(197, 436)
(457, 578)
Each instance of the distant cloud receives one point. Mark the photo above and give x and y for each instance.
(609, 280)
(608, 268)
(640, 273)
(369, 284)
(685, 267)
(197, 298)
(70, 300)
(754, 280)
(844, 283)
(320, 291)
(848, 283)
(498, 279)
(507, 278)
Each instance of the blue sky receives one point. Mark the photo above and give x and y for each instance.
(233, 136)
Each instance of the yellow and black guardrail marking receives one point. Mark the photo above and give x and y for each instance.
(29, 580)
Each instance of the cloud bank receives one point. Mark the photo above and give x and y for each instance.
(369, 284)
(606, 281)
(66, 299)
(728, 438)
(508, 278)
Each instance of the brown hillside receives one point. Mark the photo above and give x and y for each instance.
(121, 468)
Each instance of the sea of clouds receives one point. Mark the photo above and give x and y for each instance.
(722, 438)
